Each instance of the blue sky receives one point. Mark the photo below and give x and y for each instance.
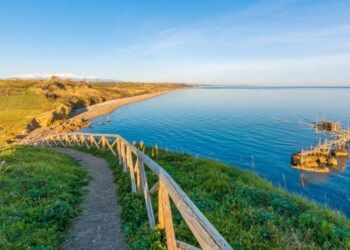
(194, 41)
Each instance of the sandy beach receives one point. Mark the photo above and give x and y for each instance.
(107, 107)
(89, 113)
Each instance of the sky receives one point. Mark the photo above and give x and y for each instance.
(189, 41)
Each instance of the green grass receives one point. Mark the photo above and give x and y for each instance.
(248, 211)
(39, 193)
(40, 190)
(18, 107)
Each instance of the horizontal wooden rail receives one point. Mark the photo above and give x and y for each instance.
(168, 190)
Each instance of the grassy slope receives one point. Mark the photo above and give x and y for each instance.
(39, 193)
(248, 211)
(18, 108)
(251, 213)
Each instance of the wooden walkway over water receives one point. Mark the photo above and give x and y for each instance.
(133, 162)
(321, 157)
(327, 145)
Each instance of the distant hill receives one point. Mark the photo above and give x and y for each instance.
(64, 76)
(32, 103)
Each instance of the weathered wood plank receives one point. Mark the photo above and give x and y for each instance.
(76, 139)
(62, 142)
(83, 139)
(114, 142)
(103, 142)
(184, 246)
(68, 140)
(131, 170)
(94, 141)
(119, 151)
(110, 147)
(168, 218)
(122, 145)
(147, 196)
(161, 219)
(155, 188)
(138, 176)
(205, 233)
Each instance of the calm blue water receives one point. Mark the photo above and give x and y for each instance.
(254, 129)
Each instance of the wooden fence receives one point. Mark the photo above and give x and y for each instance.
(134, 162)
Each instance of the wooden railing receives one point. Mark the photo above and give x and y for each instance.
(134, 161)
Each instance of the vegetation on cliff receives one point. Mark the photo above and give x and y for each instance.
(40, 190)
(248, 211)
(39, 193)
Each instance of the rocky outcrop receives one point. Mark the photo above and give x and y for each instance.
(33, 124)
(320, 162)
(62, 112)
(74, 125)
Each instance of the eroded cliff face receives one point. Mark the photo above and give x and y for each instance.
(62, 112)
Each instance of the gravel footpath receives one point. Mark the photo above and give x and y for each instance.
(99, 225)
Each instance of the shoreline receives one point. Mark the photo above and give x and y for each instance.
(90, 113)
(105, 108)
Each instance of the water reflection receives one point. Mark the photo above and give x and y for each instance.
(342, 163)
(307, 178)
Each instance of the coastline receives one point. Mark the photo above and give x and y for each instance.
(107, 107)
(88, 114)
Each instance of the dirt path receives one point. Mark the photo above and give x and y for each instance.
(99, 226)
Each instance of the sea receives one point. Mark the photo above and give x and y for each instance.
(253, 128)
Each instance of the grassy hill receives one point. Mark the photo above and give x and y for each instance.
(22, 102)
(247, 210)
(40, 190)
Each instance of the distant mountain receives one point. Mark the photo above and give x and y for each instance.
(63, 76)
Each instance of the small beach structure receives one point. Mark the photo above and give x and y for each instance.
(324, 156)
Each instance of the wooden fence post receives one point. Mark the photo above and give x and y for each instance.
(166, 218)
(119, 151)
(76, 139)
(103, 141)
(146, 195)
(94, 141)
(138, 175)
(131, 169)
(122, 145)
(61, 141)
(83, 140)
